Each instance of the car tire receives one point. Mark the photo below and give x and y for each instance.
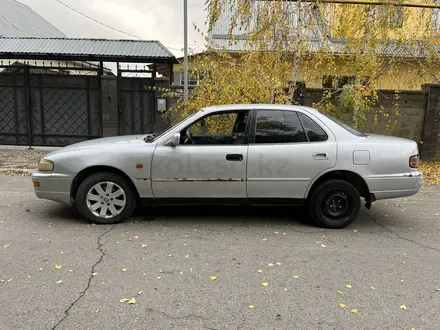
(334, 204)
(116, 192)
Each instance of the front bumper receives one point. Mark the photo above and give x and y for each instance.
(396, 185)
(53, 186)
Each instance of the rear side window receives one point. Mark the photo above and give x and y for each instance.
(314, 132)
(278, 127)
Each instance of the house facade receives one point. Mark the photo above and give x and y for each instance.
(406, 76)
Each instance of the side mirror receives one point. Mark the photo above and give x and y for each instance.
(175, 140)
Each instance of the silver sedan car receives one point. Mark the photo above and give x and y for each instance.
(271, 154)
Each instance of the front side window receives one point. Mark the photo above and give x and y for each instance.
(314, 132)
(217, 129)
(278, 127)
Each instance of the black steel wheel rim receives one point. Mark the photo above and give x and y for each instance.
(337, 205)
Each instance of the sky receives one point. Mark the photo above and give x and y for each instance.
(147, 19)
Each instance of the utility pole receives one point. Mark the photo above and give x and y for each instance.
(185, 51)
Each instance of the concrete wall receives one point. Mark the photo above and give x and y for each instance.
(405, 120)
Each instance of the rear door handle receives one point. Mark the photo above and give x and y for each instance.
(234, 157)
(320, 155)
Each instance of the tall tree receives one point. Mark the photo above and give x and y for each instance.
(282, 43)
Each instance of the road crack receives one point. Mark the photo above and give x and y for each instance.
(401, 237)
(89, 282)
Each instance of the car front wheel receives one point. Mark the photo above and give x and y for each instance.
(334, 204)
(105, 198)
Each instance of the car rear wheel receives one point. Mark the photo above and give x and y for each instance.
(105, 198)
(334, 204)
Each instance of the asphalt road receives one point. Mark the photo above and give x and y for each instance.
(390, 257)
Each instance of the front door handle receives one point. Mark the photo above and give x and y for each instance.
(320, 155)
(234, 157)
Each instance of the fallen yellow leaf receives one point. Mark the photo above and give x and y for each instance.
(260, 271)
(270, 265)
(123, 300)
(342, 305)
(97, 311)
(286, 289)
(181, 273)
(404, 262)
(144, 245)
(278, 263)
(373, 288)
(132, 301)
(295, 276)
(323, 245)
(340, 292)
(140, 292)
(58, 266)
(94, 274)
(251, 306)
(136, 237)
(264, 284)
(2, 281)
(213, 278)
(403, 307)
(354, 311)
(40, 269)
(124, 269)
(159, 277)
(348, 286)
(264, 239)
(317, 242)
(276, 233)
(59, 282)
(323, 237)
(355, 230)
(6, 246)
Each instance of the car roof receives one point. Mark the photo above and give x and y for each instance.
(264, 106)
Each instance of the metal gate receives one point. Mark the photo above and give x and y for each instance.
(136, 110)
(48, 109)
(13, 115)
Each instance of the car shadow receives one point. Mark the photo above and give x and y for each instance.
(228, 214)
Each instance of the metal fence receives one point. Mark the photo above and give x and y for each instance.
(49, 105)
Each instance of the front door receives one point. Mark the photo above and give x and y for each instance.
(210, 161)
(287, 150)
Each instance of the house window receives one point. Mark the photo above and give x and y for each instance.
(192, 79)
(394, 19)
(436, 17)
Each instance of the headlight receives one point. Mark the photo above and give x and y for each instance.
(45, 165)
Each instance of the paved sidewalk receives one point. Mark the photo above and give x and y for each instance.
(20, 160)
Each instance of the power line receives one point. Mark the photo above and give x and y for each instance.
(106, 25)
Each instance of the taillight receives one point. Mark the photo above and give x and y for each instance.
(414, 161)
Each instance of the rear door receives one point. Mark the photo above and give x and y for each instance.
(287, 150)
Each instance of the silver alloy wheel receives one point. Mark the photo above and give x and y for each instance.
(106, 200)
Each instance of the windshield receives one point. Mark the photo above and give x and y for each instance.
(169, 129)
(345, 126)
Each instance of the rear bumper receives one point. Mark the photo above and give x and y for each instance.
(53, 186)
(396, 185)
